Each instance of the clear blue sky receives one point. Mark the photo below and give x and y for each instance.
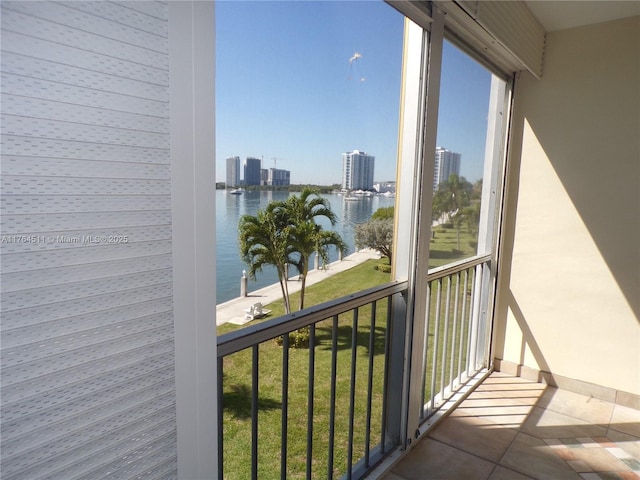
(285, 88)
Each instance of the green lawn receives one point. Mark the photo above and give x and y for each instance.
(237, 378)
(445, 248)
(237, 388)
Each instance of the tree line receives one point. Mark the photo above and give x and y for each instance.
(455, 202)
(286, 233)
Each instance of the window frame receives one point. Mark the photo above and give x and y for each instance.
(422, 61)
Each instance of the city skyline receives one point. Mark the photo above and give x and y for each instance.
(298, 103)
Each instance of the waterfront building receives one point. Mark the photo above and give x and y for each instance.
(357, 170)
(252, 174)
(446, 164)
(277, 177)
(384, 187)
(233, 171)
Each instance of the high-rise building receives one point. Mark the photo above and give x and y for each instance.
(447, 163)
(252, 171)
(277, 177)
(357, 170)
(233, 171)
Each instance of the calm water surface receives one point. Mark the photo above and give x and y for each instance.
(229, 208)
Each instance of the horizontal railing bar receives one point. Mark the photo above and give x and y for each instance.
(238, 340)
(455, 267)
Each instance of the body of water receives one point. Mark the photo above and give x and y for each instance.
(229, 208)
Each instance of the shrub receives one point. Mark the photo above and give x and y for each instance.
(383, 267)
(298, 339)
(383, 213)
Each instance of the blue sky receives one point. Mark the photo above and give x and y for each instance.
(285, 88)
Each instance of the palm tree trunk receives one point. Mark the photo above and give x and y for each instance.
(285, 291)
(305, 270)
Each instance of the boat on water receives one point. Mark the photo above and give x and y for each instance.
(237, 191)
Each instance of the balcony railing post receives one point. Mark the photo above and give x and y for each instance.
(395, 421)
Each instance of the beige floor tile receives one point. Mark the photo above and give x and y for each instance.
(474, 435)
(509, 385)
(499, 400)
(591, 476)
(523, 397)
(626, 476)
(599, 460)
(437, 461)
(484, 431)
(587, 409)
(503, 473)
(626, 420)
(512, 417)
(628, 443)
(550, 424)
(531, 456)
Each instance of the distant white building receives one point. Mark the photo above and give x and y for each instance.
(233, 172)
(384, 187)
(447, 163)
(357, 170)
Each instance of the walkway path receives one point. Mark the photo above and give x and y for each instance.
(233, 310)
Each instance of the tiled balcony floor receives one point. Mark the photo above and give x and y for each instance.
(514, 429)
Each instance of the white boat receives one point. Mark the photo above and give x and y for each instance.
(237, 191)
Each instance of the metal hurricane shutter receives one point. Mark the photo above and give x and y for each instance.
(87, 349)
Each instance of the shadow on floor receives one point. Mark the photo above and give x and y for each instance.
(510, 428)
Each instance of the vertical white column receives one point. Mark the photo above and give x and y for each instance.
(491, 212)
(417, 143)
(192, 68)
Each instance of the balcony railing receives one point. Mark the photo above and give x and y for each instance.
(456, 329)
(319, 393)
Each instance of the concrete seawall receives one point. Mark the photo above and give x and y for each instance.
(233, 311)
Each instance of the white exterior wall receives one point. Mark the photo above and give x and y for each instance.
(88, 345)
(569, 298)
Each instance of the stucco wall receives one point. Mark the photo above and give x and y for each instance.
(570, 287)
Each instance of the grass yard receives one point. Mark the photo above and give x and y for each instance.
(444, 246)
(237, 388)
(237, 376)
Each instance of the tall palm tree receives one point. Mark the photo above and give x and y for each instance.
(307, 236)
(265, 239)
(452, 196)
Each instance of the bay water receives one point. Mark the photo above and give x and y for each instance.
(229, 209)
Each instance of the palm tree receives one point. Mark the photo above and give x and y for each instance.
(265, 239)
(452, 197)
(307, 236)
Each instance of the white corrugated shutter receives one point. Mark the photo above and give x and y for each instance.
(87, 349)
(504, 34)
(514, 27)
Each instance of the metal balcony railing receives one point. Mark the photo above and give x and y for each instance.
(321, 393)
(456, 329)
